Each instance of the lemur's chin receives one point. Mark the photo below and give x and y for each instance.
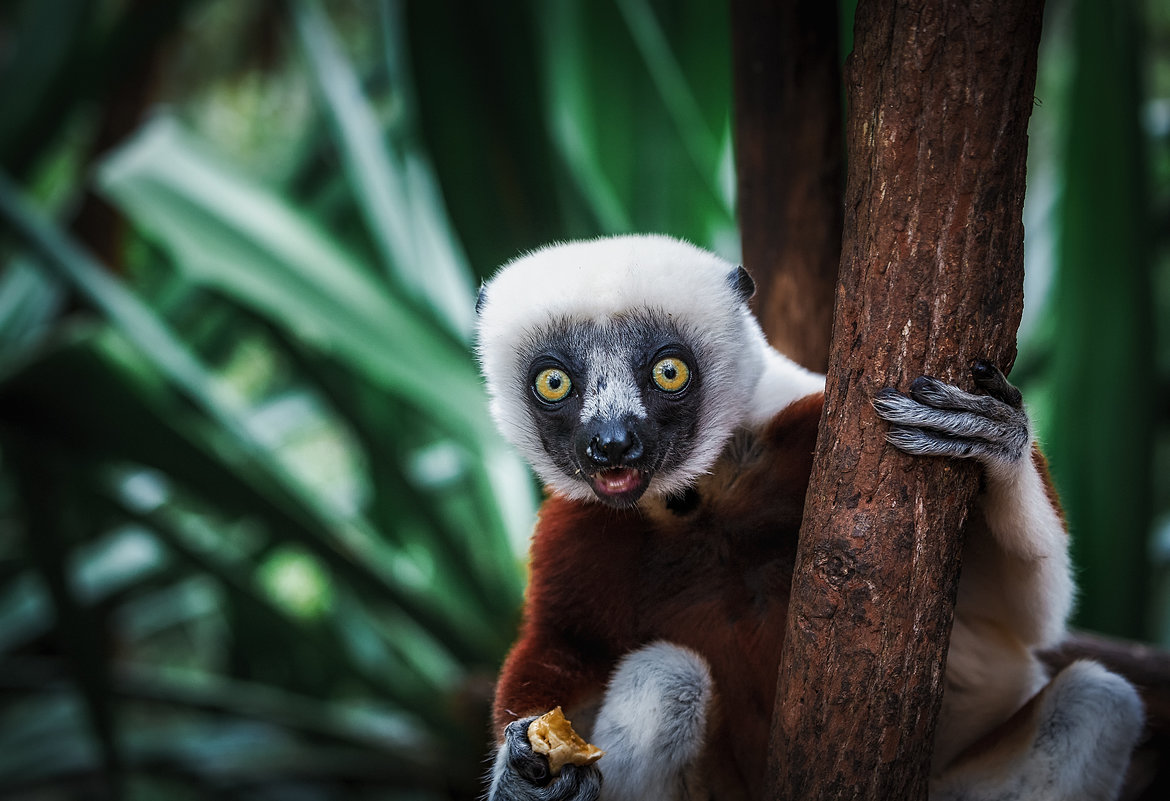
(619, 487)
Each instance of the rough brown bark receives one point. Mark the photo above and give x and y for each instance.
(931, 278)
(789, 166)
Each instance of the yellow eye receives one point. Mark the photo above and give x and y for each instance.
(671, 374)
(553, 384)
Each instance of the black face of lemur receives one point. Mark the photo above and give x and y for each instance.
(615, 403)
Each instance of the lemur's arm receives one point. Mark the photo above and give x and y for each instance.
(1005, 731)
(544, 670)
(1034, 592)
(1020, 581)
(583, 564)
(997, 731)
(584, 560)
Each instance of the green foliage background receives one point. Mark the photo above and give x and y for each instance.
(258, 538)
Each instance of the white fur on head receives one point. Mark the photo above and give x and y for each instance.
(603, 279)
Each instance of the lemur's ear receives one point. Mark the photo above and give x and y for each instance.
(480, 298)
(742, 283)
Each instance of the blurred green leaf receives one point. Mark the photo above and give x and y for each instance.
(57, 512)
(481, 112)
(63, 55)
(46, 37)
(217, 730)
(632, 146)
(691, 128)
(233, 235)
(426, 266)
(129, 413)
(29, 303)
(315, 287)
(1104, 324)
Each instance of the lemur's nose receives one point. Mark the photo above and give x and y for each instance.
(613, 443)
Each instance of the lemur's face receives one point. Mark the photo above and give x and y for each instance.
(615, 403)
(619, 367)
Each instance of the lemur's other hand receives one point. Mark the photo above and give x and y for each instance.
(521, 774)
(937, 419)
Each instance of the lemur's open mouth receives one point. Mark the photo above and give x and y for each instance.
(619, 486)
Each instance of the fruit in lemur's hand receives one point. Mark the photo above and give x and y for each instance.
(552, 734)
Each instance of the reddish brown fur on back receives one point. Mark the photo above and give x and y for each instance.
(715, 579)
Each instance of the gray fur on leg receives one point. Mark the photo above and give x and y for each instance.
(652, 724)
(1085, 728)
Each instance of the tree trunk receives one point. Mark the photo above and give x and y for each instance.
(788, 156)
(931, 278)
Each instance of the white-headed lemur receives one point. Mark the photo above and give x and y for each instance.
(676, 447)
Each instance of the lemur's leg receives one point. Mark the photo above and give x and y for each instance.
(652, 725)
(1015, 596)
(1070, 743)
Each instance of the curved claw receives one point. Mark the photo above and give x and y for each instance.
(991, 380)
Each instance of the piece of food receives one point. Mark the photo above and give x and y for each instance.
(552, 734)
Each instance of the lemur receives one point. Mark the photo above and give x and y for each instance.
(676, 445)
